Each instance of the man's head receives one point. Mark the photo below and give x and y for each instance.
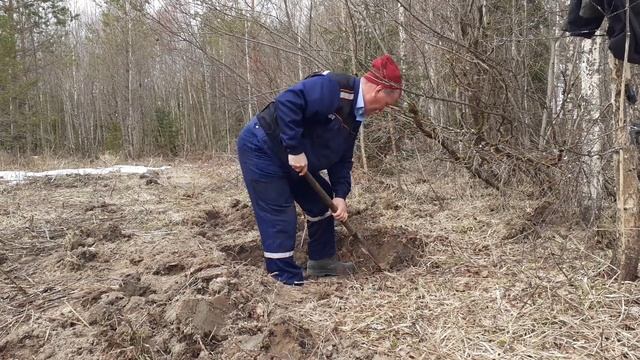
(382, 85)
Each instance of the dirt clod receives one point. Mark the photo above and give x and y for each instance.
(250, 253)
(112, 298)
(170, 268)
(73, 241)
(240, 216)
(252, 343)
(103, 206)
(114, 232)
(150, 174)
(289, 341)
(152, 181)
(107, 232)
(203, 316)
(131, 285)
(85, 254)
(234, 203)
(101, 313)
(212, 216)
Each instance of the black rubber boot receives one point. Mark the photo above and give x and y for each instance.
(329, 267)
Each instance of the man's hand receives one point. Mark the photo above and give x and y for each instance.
(341, 214)
(299, 163)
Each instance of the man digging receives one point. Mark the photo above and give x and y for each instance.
(311, 126)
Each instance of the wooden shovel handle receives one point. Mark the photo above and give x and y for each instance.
(329, 203)
(323, 195)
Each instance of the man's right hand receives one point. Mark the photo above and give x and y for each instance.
(299, 163)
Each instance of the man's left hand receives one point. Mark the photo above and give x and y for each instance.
(341, 214)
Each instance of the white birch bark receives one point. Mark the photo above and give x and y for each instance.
(246, 50)
(552, 86)
(127, 130)
(590, 81)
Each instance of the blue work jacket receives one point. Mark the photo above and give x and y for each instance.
(311, 118)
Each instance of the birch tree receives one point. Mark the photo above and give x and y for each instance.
(591, 82)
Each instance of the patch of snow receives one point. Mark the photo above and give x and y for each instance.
(18, 176)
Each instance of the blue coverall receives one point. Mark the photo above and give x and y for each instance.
(306, 117)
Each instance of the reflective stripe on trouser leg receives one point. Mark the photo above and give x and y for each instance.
(272, 203)
(281, 255)
(318, 218)
(320, 223)
(322, 238)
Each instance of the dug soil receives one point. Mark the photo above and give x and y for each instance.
(117, 267)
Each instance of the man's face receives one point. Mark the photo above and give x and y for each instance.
(380, 99)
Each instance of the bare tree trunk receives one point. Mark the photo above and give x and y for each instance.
(248, 63)
(551, 73)
(189, 111)
(225, 104)
(525, 69)
(207, 121)
(310, 23)
(300, 74)
(403, 53)
(348, 21)
(127, 131)
(591, 80)
(402, 37)
(627, 251)
(68, 104)
(52, 139)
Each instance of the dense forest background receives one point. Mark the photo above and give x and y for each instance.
(143, 78)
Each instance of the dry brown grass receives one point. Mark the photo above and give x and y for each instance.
(479, 289)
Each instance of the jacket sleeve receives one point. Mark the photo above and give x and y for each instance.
(584, 17)
(315, 97)
(340, 172)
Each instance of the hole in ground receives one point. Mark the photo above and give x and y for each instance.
(393, 248)
(250, 252)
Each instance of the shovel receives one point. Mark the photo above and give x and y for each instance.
(329, 203)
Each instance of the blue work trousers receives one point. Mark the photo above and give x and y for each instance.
(273, 187)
